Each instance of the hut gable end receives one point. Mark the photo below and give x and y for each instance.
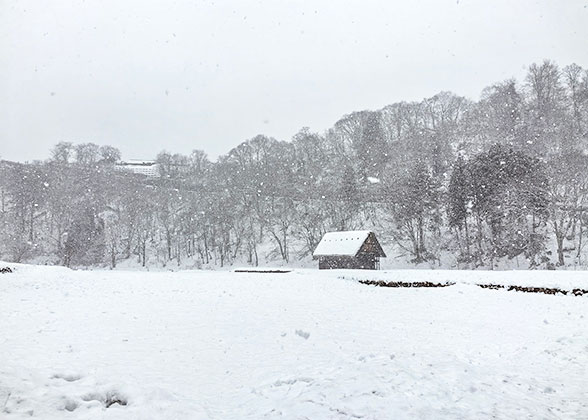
(372, 246)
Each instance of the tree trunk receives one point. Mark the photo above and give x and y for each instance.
(580, 234)
(560, 255)
(206, 248)
(467, 238)
(279, 242)
(480, 248)
(255, 253)
(31, 223)
(169, 244)
(285, 238)
(112, 256)
(144, 253)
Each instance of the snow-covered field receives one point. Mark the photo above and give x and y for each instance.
(302, 345)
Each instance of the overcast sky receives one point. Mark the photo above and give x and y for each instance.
(181, 75)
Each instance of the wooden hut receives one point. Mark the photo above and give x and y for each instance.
(357, 249)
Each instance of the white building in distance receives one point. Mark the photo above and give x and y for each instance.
(148, 168)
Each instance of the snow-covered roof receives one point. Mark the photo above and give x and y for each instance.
(341, 243)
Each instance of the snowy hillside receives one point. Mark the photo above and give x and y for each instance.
(306, 344)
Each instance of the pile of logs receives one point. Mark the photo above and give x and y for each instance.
(546, 290)
(382, 283)
(262, 271)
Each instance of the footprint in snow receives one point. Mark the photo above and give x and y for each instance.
(69, 377)
(303, 334)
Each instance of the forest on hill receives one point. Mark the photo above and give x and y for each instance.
(445, 181)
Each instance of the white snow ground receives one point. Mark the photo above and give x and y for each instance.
(303, 345)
